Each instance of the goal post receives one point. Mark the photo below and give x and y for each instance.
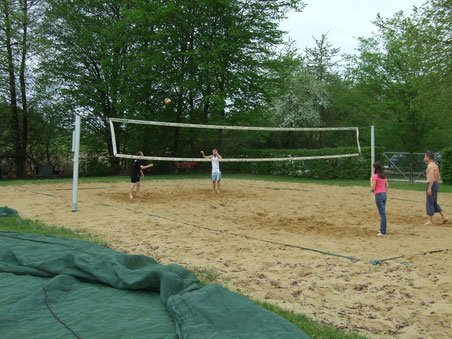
(222, 127)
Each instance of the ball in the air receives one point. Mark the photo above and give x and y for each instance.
(167, 101)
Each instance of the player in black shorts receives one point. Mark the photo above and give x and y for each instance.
(137, 171)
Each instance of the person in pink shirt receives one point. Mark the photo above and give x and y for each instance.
(380, 187)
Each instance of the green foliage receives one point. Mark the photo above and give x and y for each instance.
(402, 79)
(122, 59)
(341, 168)
(320, 59)
(96, 167)
(446, 166)
(301, 104)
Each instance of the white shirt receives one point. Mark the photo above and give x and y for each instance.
(215, 165)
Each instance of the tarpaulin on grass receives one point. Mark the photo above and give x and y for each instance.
(53, 287)
(6, 211)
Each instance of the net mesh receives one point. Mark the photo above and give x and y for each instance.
(232, 128)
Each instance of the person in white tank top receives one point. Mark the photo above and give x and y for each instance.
(216, 173)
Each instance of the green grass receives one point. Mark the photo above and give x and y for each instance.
(207, 276)
(17, 224)
(340, 182)
(312, 328)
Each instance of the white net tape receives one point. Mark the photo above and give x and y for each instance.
(243, 128)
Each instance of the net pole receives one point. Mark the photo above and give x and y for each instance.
(113, 137)
(372, 149)
(76, 149)
(357, 140)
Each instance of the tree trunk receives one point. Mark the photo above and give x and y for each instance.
(19, 159)
(23, 89)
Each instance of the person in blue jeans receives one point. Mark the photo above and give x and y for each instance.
(380, 187)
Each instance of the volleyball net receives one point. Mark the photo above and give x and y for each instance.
(355, 130)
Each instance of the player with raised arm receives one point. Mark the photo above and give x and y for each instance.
(216, 173)
(137, 171)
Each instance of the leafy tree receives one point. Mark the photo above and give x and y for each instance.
(122, 58)
(299, 107)
(402, 79)
(320, 60)
(433, 43)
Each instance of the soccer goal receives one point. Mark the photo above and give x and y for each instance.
(112, 122)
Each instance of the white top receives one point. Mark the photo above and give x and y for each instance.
(215, 165)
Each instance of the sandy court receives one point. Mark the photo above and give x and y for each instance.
(257, 234)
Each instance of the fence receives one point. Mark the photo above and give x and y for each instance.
(404, 166)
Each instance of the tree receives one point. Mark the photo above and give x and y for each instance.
(300, 106)
(433, 43)
(122, 58)
(320, 59)
(17, 19)
(402, 75)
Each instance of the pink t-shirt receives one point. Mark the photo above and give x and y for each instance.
(380, 186)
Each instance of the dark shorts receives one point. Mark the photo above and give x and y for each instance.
(431, 203)
(134, 178)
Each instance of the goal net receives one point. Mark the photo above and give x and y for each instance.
(159, 157)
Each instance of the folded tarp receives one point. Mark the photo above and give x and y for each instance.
(6, 211)
(52, 287)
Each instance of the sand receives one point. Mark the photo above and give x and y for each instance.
(256, 236)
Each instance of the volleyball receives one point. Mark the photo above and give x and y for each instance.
(167, 101)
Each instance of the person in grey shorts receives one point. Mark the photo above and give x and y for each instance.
(433, 179)
(216, 173)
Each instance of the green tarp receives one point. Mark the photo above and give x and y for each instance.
(52, 287)
(6, 211)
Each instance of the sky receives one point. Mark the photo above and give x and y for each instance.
(343, 20)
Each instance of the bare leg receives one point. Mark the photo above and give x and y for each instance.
(131, 190)
(218, 187)
(138, 187)
(429, 220)
(213, 186)
(444, 218)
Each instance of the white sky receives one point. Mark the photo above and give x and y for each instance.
(344, 20)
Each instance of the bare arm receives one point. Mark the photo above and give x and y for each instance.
(147, 166)
(205, 156)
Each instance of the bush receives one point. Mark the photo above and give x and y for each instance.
(95, 167)
(446, 166)
(341, 168)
